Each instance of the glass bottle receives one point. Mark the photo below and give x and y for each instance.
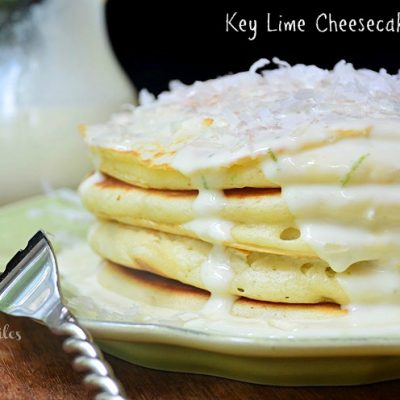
(57, 71)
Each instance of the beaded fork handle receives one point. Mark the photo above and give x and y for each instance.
(89, 358)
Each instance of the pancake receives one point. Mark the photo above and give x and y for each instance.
(113, 199)
(227, 128)
(256, 276)
(260, 219)
(129, 167)
(158, 291)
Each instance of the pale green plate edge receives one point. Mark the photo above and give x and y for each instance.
(293, 362)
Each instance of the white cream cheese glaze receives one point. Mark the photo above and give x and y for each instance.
(208, 225)
(216, 273)
(374, 282)
(354, 217)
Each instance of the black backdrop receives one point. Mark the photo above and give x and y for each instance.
(159, 42)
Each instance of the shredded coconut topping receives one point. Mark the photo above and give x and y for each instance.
(261, 63)
(252, 112)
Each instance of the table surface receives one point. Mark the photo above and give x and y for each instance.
(36, 368)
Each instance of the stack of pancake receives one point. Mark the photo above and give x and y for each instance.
(253, 189)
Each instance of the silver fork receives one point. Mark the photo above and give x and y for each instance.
(29, 287)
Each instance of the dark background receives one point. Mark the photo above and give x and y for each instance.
(159, 42)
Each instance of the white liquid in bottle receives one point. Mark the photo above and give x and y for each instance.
(57, 71)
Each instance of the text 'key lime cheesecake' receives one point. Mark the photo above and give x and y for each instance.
(275, 186)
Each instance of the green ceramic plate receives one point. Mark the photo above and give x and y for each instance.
(279, 361)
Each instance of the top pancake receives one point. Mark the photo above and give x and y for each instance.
(225, 128)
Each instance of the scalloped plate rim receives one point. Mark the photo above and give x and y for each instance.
(151, 332)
